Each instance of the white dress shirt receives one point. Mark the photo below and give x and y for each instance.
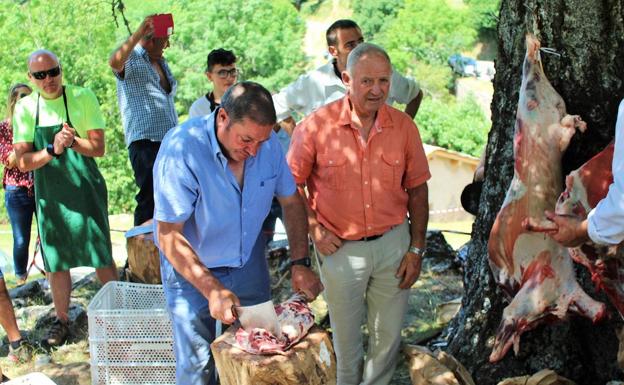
(322, 86)
(606, 220)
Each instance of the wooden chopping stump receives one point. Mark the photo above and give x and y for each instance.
(143, 259)
(311, 361)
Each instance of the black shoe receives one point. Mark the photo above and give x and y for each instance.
(57, 334)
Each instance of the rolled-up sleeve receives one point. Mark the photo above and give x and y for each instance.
(292, 98)
(606, 220)
(403, 89)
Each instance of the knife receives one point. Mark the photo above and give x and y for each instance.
(261, 316)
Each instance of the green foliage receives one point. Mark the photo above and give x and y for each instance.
(266, 36)
(485, 13)
(373, 15)
(459, 126)
(427, 31)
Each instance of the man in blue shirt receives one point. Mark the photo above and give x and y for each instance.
(145, 89)
(214, 179)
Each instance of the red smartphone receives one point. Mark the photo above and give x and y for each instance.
(163, 24)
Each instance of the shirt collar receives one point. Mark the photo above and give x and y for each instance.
(211, 126)
(382, 121)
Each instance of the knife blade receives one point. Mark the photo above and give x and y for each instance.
(261, 316)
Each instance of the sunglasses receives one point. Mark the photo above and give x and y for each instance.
(223, 74)
(52, 72)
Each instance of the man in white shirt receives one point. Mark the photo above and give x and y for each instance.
(324, 84)
(605, 223)
(221, 71)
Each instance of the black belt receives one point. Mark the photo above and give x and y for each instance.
(371, 238)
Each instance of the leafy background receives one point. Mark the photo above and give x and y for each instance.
(267, 36)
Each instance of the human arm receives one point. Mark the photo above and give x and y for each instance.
(570, 231)
(185, 261)
(324, 240)
(412, 107)
(303, 278)
(405, 90)
(117, 60)
(27, 159)
(418, 208)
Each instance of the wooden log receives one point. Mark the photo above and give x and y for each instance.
(311, 361)
(143, 259)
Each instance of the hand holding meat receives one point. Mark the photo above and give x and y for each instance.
(409, 270)
(220, 302)
(571, 231)
(325, 241)
(305, 281)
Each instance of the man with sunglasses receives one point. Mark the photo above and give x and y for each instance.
(58, 131)
(145, 89)
(221, 71)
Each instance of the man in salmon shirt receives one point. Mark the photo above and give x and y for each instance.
(364, 168)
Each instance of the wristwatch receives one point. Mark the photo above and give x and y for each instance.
(416, 250)
(305, 261)
(50, 150)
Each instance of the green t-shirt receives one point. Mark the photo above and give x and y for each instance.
(83, 106)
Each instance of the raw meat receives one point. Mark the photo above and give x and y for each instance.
(295, 319)
(532, 269)
(585, 187)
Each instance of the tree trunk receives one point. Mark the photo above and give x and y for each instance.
(310, 361)
(589, 75)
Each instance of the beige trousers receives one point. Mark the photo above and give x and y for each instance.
(360, 281)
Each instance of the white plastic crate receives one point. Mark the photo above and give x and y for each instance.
(35, 378)
(130, 336)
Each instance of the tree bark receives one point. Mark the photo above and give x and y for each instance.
(589, 75)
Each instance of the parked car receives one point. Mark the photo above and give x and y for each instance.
(463, 65)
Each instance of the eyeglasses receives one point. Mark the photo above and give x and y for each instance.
(52, 72)
(223, 74)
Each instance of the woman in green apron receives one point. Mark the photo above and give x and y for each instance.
(58, 131)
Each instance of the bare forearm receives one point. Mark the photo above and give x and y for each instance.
(182, 257)
(118, 59)
(412, 107)
(28, 160)
(296, 224)
(94, 145)
(311, 216)
(418, 207)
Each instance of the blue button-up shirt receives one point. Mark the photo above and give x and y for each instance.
(193, 184)
(147, 110)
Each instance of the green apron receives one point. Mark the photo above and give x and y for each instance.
(72, 206)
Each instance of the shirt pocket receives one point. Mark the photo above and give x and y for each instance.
(332, 170)
(264, 194)
(392, 170)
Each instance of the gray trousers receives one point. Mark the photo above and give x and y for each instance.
(360, 281)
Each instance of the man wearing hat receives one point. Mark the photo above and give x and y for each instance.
(145, 89)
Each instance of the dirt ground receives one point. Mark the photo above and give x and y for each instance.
(69, 364)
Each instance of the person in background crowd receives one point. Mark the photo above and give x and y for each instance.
(364, 168)
(324, 84)
(145, 89)
(19, 196)
(221, 71)
(212, 255)
(57, 132)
